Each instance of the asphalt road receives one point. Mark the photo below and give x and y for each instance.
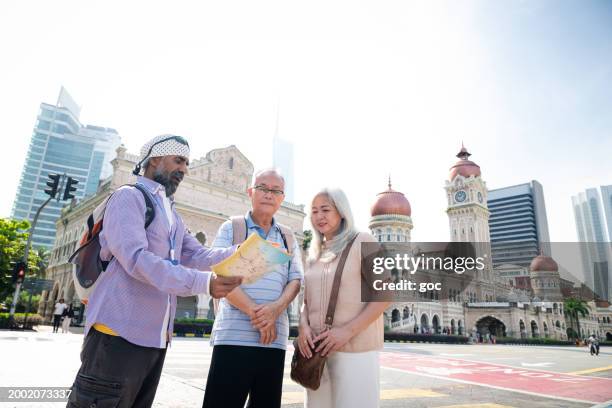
(412, 375)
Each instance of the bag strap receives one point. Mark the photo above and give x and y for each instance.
(149, 215)
(150, 209)
(288, 240)
(333, 299)
(287, 236)
(239, 229)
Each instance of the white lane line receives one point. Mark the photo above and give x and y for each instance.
(544, 364)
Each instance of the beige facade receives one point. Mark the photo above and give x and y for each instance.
(489, 304)
(214, 190)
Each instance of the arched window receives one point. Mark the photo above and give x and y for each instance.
(231, 163)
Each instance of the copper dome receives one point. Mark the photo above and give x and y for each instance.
(543, 263)
(464, 167)
(391, 202)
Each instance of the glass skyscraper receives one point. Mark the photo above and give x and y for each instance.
(60, 144)
(606, 195)
(518, 224)
(282, 158)
(591, 230)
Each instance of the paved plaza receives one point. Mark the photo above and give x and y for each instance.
(412, 375)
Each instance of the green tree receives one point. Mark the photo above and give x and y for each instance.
(22, 302)
(13, 238)
(572, 307)
(307, 239)
(42, 262)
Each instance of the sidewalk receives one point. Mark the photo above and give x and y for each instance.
(49, 329)
(47, 359)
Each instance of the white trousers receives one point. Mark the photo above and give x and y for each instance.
(66, 324)
(350, 380)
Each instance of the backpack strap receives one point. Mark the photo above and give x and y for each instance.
(239, 229)
(149, 214)
(150, 209)
(240, 233)
(288, 237)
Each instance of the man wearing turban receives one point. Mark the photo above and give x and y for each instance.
(131, 310)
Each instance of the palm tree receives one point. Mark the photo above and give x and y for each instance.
(572, 307)
(43, 256)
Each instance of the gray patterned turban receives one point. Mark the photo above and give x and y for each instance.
(162, 145)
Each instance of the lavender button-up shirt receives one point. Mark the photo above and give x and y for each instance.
(132, 295)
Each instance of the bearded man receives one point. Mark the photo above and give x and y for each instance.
(131, 310)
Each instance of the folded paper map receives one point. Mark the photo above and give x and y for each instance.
(252, 260)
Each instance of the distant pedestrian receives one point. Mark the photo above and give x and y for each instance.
(593, 343)
(60, 307)
(68, 315)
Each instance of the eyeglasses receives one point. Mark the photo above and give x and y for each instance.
(266, 190)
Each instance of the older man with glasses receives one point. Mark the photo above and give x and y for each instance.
(252, 325)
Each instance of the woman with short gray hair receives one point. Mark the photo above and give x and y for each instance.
(351, 374)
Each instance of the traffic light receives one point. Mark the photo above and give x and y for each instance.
(70, 188)
(53, 183)
(19, 272)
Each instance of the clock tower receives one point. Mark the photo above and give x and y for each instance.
(468, 215)
(466, 193)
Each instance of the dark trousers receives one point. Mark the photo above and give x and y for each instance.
(240, 371)
(57, 320)
(116, 373)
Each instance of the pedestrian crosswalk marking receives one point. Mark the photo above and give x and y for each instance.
(486, 405)
(409, 393)
(294, 397)
(297, 397)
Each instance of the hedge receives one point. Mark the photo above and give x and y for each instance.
(192, 326)
(534, 341)
(33, 320)
(200, 327)
(426, 338)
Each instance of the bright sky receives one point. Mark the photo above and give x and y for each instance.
(365, 89)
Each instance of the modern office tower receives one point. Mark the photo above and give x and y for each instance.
(595, 249)
(282, 159)
(606, 196)
(518, 224)
(60, 144)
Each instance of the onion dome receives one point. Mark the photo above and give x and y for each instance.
(391, 202)
(464, 167)
(543, 263)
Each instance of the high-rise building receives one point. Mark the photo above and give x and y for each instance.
(518, 224)
(60, 144)
(606, 196)
(282, 159)
(591, 231)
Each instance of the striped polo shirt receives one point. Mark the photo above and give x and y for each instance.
(232, 326)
